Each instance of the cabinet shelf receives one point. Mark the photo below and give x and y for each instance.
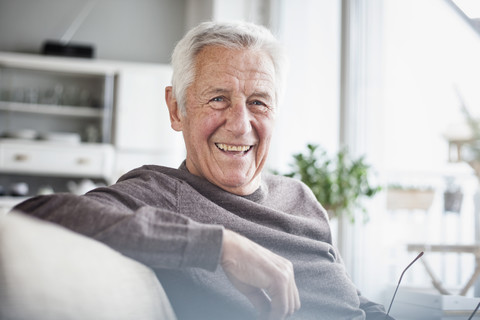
(56, 110)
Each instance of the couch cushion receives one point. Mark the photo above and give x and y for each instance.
(49, 272)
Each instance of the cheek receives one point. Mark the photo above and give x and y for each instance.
(204, 126)
(265, 130)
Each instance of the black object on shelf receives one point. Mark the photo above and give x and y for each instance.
(55, 48)
(64, 47)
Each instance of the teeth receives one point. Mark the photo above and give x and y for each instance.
(227, 147)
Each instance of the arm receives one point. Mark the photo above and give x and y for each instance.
(161, 238)
(155, 237)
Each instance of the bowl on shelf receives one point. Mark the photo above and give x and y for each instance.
(23, 134)
(63, 137)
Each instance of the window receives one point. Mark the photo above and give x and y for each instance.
(429, 65)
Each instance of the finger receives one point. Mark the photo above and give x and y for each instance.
(298, 304)
(286, 300)
(280, 297)
(257, 297)
(279, 288)
(291, 305)
(295, 297)
(278, 310)
(292, 298)
(261, 302)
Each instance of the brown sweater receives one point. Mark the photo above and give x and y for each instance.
(172, 221)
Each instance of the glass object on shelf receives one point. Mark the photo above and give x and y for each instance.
(52, 95)
(50, 101)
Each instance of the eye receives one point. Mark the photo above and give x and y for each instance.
(259, 105)
(219, 102)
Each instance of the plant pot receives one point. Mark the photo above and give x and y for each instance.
(409, 199)
(452, 201)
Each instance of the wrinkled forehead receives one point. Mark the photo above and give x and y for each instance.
(219, 64)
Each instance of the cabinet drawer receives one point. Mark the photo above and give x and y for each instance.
(62, 160)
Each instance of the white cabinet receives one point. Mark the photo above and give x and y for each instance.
(82, 160)
(44, 96)
(142, 125)
(68, 117)
(142, 120)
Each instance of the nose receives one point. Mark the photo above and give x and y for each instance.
(238, 118)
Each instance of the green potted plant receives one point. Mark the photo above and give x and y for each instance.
(338, 182)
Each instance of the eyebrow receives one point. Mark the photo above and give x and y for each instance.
(210, 91)
(260, 94)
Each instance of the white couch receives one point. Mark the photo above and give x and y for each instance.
(48, 272)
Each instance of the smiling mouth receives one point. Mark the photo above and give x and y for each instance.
(234, 149)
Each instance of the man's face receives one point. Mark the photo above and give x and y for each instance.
(229, 117)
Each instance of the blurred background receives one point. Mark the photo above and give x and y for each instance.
(394, 81)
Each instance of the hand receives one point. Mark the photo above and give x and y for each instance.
(265, 278)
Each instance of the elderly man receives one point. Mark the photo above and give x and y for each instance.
(226, 240)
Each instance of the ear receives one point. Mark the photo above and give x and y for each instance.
(176, 116)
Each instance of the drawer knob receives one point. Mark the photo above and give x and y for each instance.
(20, 157)
(83, 161)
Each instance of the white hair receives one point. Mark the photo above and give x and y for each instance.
(234, 35)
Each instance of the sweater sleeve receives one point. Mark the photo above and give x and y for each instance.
(373, 311)
(158, 237)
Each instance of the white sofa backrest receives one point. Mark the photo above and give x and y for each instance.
(48, 272)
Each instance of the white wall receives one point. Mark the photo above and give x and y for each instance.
(140, 30)
(310, 31)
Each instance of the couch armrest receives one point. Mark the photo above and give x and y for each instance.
(49, 272)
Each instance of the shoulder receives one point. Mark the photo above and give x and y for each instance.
(146, 185)
(161, 176)
(292, 192)
(282, 183)
(149, 170)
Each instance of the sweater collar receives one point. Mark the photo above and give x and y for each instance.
(257, 196)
